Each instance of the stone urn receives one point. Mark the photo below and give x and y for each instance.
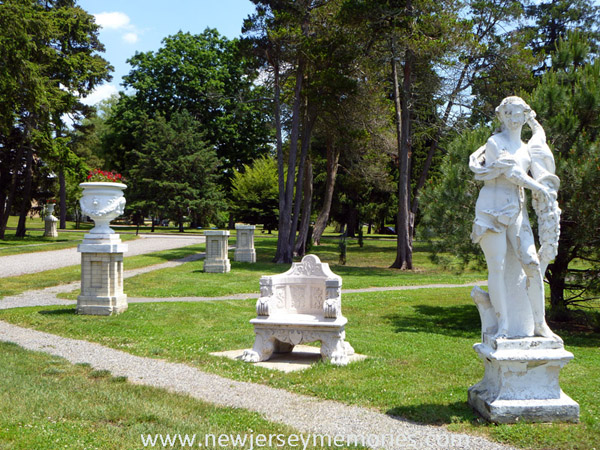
(50, 209)
(102, 202)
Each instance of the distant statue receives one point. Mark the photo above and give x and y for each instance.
(515, 304)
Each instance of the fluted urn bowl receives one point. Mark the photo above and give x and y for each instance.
(102, 202)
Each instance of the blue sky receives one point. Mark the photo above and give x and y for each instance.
(130, 26)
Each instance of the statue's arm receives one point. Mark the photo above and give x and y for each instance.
(514, 172)
(520, 177)
(492, 151)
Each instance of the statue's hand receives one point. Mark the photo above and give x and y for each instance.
(543, 193)
(530, 118)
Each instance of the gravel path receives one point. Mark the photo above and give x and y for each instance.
(14, 265)
(47, 296)
(305, 414)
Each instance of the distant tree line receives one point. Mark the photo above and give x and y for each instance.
(347, 111)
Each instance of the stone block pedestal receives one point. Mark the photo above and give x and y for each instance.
(50, 223)
(101, 275)
(244, 249)
(521, 381)
(217, 246)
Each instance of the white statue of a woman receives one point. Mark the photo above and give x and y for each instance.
(507, 165)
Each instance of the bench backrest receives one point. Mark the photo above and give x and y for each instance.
(303, 289)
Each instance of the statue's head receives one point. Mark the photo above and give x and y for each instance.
(513, 112)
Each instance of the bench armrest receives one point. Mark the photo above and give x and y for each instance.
(331, 308)
(263, 307)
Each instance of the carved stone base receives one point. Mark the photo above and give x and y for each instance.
(102, 276)
(244, 249)
(216, 260)
(50, 227)
(272, 338)
(245, 255)
(101, 306)
(521, 381)
(222, 266)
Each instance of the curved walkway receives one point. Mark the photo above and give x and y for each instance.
(14, 265)
(304, 413)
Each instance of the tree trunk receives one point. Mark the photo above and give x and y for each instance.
(300, 248)
(63, 199)
(279, 146)
(8, 203)
(26, 205)
(556, 274)
(5, 180)
(305, 144)
(352, 221)
(284, 247)
(333, 156)
(403, 129)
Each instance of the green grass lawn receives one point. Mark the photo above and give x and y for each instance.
(47, 403)
(419, 346)
(16, 285)
(419, 343)
(366, 267)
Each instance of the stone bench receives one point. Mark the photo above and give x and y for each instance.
(300, 306)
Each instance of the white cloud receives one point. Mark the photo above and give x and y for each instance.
(100, 93)
(113, 20)
(130, 38)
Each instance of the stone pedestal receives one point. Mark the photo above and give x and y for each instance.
(50, 223)
(521, 381)
(217, 260)
(101, 275)
(244, 249)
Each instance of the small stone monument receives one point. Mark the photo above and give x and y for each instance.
(50, 222)
(102, 251)
(217, 260)
(521, 355)
(244, 249)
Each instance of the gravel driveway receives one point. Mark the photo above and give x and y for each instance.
(14, 265)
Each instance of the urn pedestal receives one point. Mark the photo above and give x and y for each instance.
(217, 259)
(521, 381)
(244, 249)
(50, 222)
(102, 252)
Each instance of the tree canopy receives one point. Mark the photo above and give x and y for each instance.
(49, 52)
(206, 75)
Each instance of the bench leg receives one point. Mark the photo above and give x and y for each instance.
(264, 345)
(335, 350)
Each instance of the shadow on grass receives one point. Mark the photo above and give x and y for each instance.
(463, 321)
(435, 414)
(578, 339)
(456, 321)
(59, 312)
